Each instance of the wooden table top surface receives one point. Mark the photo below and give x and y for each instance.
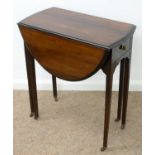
(85, 28)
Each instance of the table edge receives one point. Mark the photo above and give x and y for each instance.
(81, 40)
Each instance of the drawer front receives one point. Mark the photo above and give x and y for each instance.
(121, 50)
(65, 58)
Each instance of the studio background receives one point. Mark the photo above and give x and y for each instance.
(126, 11)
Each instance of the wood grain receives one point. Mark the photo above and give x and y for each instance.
(89, 29)
(65, 58)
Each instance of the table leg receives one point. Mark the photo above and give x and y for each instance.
(120, 96)
(126, 88)
(30, 66)
(109, 78)
(54, 87)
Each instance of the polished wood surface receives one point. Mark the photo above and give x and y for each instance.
(65, 58)
(89, 29)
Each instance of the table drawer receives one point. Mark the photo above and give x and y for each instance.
(121, 49)
(65, 58)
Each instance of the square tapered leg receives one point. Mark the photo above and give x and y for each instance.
(30, 66)
(54, 87)
(109, 78)
(126, 88)
(120, 95)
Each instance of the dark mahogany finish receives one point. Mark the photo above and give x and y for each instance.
(77, 61)
(74, 46)
(85, 28)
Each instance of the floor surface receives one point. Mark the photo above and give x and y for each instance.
(74, 125)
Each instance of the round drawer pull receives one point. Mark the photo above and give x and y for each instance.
(122, 47)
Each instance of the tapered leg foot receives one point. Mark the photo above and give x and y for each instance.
(123, 126)
(36, 117)
(117, 119)
(56, 99)
(103, 148)
(31, 114)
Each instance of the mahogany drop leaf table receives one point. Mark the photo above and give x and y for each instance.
(74, 46)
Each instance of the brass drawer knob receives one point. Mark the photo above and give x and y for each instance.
(122, 47)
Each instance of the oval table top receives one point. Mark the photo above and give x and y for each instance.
(85, 28)
(72, 46)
